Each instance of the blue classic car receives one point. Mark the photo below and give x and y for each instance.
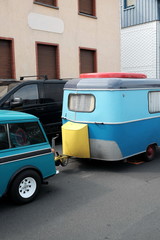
(26, 158)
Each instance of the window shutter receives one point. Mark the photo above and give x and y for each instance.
(48, 2)
(47, 61)
(5, 59)
(87, 61)
(86, 6)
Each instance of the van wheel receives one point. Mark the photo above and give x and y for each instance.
(25, 187)
(150, 153)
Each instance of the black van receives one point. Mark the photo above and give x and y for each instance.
(42, 98)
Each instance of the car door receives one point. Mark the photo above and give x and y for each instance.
(29, 96)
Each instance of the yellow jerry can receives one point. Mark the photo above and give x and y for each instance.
(75, 140)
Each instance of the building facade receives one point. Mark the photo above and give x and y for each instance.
(60, 39)
(140, 41)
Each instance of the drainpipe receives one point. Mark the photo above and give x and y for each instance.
(157, 50)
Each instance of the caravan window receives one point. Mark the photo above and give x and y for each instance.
(154, 102)
(81, 102)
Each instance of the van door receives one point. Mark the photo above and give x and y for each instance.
(52, 103)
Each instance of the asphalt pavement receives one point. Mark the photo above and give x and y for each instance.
(91, 200)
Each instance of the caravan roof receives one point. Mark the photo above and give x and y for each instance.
(111, 83)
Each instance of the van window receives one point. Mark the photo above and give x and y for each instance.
(23, 134)
(81, 102)
(28, 93)
(4, 144)
(154, 102)
(53, 92)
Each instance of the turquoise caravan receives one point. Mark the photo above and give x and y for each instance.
(111, 116)
(26, 158)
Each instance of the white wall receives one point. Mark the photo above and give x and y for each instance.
(139, 49)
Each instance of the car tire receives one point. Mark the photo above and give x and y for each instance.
(25, 187)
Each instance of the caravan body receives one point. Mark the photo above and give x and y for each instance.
(121, 115)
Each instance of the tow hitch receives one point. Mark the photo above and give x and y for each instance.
(60, 159)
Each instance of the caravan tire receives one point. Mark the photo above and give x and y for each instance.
(150, 153)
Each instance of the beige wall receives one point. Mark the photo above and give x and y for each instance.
(102, 34)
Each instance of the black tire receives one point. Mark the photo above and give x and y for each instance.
(64, 162)
(150, 153)
(25, 187)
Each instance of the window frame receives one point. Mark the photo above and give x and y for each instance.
(47, 5)
(152, 112)
(77, 94)
(7, 136)
(93, 15)
(126, 5)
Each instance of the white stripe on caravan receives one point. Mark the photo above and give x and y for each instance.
(110, 123)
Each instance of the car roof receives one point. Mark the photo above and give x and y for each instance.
(9, 81)
(7, 115)
(44, 81)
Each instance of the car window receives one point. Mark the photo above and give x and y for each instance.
(24, 134)
(53, 92)
(4, 144)
(28, 93)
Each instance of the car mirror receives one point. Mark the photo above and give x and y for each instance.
(16, 102)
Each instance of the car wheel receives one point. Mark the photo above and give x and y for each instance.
(25, 187)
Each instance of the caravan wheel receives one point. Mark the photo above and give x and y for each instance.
(150, 153)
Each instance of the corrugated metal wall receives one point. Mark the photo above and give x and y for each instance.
(143, 11)
(139, 45)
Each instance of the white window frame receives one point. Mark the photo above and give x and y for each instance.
(154, 101)
(81, 102)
